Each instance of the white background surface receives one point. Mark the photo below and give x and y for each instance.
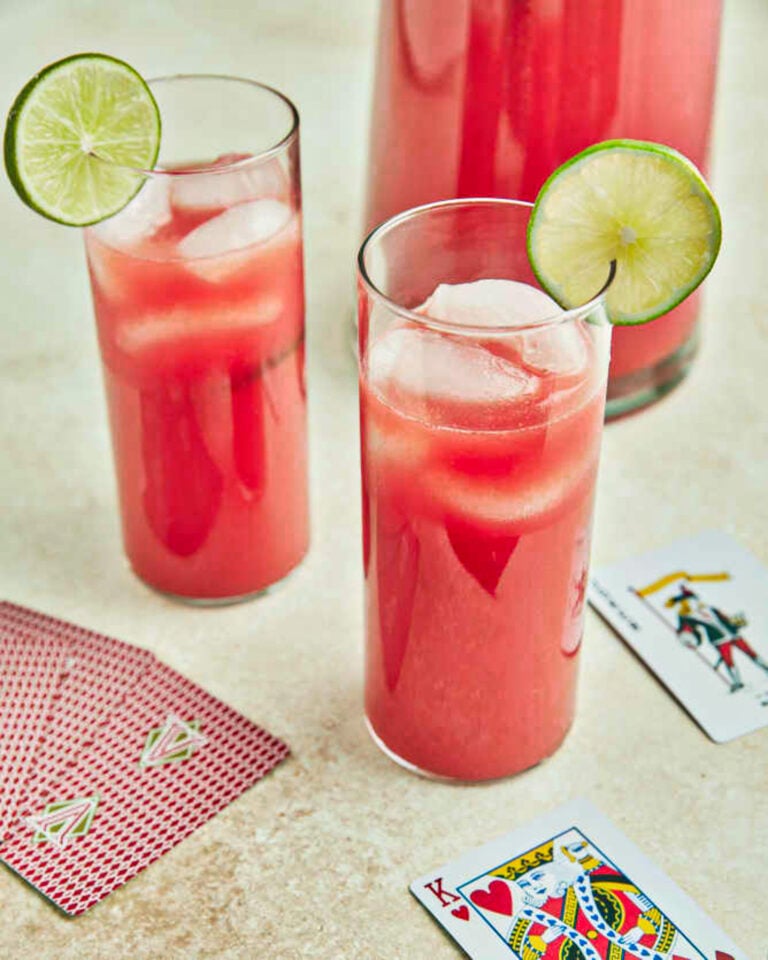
(316, 860)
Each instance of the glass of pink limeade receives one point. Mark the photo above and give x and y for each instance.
(477, 98)
(199, 300)
(482, 405)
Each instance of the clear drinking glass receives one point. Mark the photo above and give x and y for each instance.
(485, 98)
(199, 300)
(480, 446)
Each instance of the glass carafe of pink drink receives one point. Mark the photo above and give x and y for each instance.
(487, 97)
(199, 300)
(482, 406)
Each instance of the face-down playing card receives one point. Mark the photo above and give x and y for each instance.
(168, 760)
(97, 675)
(569, 887)
(31, 668)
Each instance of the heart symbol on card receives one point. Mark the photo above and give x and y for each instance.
(462, 912)
(498, 898)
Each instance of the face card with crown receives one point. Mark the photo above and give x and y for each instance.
(167, 761)
(568, 885)
(97, 675)
(696, 612)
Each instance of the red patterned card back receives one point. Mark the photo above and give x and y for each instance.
(166, 762)
(31, 667)
(100, 674)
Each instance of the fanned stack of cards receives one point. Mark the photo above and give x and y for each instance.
(108, 758)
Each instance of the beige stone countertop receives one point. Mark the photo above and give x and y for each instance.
(315, 860)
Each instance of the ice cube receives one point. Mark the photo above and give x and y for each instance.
(240, 226)
(489, 303)
(427, 364)
(522, 504)
(385, 441)
(214, 250)
(162, 330)
(101, 276)
(529, 505)
(226, 186)
(561, 349)
(149, 210)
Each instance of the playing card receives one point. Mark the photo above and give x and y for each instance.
(31, 666)
(168, 759)
(697, 613)
(99, 674)
(569, 885)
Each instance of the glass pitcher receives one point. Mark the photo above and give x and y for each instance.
(486, 97)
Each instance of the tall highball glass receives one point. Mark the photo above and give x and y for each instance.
(480, 446)
(199, 298)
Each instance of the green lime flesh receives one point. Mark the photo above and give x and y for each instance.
(78, 136)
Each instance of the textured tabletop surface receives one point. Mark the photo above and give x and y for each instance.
(315, 860)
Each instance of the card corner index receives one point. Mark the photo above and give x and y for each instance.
(435, 884)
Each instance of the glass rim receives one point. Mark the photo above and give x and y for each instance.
(246, 162)
(565, 316)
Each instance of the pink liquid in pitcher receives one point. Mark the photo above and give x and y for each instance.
(488, 97)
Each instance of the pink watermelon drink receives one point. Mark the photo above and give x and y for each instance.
(475, 98)
(198, 293)
(481, 417)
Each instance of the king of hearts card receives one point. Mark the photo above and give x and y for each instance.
(564, 900)
(552, 891)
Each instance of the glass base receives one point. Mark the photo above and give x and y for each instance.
(221, 601)
(644, 387)
(428, 774)
(210, 601)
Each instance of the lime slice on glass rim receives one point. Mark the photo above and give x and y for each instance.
(77, 136)
(644, 206)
